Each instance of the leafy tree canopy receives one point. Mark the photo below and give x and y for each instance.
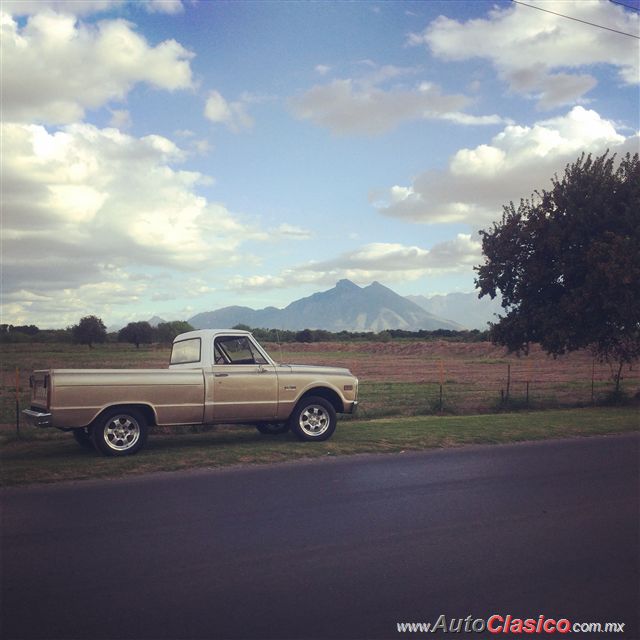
(167, 331)
(137, 333)
(567, 263)
(90, 329)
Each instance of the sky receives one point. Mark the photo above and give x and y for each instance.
(166, 157)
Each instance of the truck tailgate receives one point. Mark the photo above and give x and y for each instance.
(40, 383)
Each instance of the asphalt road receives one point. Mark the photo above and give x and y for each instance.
(336, 548)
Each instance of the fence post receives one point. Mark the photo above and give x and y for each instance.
(441, 383)
(508, 382)
(17, 403)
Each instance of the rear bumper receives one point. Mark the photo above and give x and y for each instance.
(37, 419)
(353, 409)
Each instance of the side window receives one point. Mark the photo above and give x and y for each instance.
(236, 350)
(218, 355)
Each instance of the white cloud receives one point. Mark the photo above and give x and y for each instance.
(120, 119)
(391, 262)
(365, 106)
(532, 50)
(86, 7)
(516, 162)
(232, 114)
(322, 69)
(86, 208)
(199, 146)
(54, 67)
(69, 7)
(290, 232)
(551, 90)
(64, 307)
(468, 119)
(170, 7)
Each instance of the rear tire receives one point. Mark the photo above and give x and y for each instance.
(119, 432)
(314, 418)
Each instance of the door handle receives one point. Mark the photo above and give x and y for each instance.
(221, 375)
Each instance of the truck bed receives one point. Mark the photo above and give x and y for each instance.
(75, 397)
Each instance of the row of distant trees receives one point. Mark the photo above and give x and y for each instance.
(321, 335)
(91, 330)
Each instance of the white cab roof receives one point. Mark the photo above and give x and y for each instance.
(210, 334)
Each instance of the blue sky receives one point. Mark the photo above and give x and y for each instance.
(167, 158)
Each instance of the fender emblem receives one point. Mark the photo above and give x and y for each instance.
(290, 388)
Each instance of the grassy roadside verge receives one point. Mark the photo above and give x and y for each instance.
(52, 456)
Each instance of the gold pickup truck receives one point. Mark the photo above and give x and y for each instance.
(214, 377)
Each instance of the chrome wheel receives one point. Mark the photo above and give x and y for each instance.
(122, 432)
(119, 431)
(314, 420)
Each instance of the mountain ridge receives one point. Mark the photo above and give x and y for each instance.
(345, 307)
(464, 308)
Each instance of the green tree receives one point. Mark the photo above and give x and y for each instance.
(567, 264)
(167, 331)
(304, 336)
(137, 333)
(89, 330)
(30, 330)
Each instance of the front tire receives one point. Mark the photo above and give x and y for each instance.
(314, 418)
(119, 432)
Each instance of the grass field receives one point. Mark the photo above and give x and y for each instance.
(404, 377)
(396, 378)
(52, 456)
(400, 406)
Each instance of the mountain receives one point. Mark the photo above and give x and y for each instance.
(155, 321)
(228, 317)
(346, 307)
(464, 308)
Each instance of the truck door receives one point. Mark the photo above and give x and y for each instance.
(245, 385)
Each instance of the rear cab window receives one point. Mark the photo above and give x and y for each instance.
(186, 351)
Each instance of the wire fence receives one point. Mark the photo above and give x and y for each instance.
(396, 377)
(446, 377)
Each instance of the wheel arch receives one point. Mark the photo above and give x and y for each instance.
(330, 395)
(145, 409)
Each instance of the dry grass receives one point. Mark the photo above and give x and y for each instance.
(398, 377)
(473, 374)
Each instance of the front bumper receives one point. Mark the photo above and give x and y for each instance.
(37, 419)
(354, 408)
